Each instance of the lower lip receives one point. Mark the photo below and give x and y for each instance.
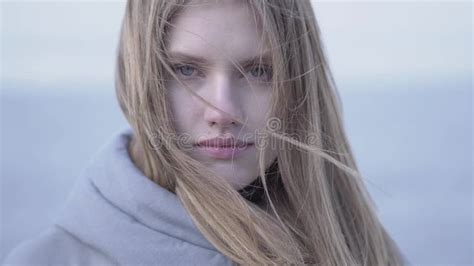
(225, 153)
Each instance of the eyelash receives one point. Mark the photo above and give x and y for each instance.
(267, 69)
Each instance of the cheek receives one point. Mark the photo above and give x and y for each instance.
(258, 108)
(259, 112)
(183, 109)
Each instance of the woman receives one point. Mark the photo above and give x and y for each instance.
(236, 152)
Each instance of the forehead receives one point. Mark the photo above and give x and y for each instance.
(216, 30)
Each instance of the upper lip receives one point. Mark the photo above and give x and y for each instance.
(223, 142)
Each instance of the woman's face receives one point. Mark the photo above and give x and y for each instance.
(206, 37)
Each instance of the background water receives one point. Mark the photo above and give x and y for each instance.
(404, 71)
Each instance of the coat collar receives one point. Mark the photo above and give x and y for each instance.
(117, 209)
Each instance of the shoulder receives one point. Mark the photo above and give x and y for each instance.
(56, 246)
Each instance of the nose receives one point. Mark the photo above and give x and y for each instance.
(223, 95)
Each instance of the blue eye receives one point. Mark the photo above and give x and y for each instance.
(260, 71)
(185, 70)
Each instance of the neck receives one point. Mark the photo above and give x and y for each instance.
(135, 151)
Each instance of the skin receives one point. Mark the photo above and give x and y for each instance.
(219, 32)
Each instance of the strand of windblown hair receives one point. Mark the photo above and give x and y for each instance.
(326, 156)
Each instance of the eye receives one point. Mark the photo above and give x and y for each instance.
(261, 71)
(185, 70)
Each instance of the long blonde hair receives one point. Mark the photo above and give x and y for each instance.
(317, 209)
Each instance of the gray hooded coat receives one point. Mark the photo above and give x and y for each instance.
(117, 216)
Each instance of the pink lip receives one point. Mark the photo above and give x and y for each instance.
(223, 148)
(224, 152)
(223, 142)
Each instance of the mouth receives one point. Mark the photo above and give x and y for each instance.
(224, 152)
(234, 146)
(223, 143)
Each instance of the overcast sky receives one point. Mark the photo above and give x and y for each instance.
(71, 45)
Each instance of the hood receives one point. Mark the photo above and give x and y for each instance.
(118, 210)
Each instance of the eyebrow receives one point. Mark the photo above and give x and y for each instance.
(180, 56)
